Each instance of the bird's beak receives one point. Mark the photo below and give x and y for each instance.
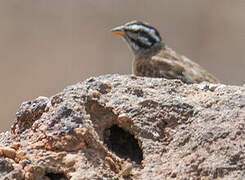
(119, 31)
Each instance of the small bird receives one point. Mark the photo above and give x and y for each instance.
(154, 59)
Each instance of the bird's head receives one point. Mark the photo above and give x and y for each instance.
(143, 39)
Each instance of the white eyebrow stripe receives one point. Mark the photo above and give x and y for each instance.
(147, 29)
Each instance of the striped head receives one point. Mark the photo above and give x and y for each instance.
(143, 39)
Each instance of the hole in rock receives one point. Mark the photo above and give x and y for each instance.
(56, 176)
(123, 144)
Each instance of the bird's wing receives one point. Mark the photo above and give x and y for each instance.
(174, 66)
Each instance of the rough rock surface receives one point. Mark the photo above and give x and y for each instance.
(127, 127)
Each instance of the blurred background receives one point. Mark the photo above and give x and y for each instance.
(50, 44)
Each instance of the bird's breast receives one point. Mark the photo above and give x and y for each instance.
(144, 67)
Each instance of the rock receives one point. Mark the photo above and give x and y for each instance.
(7, 152)
(127, 127)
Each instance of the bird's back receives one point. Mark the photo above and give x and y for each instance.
(170, 65)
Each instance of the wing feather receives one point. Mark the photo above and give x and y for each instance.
(173, 66)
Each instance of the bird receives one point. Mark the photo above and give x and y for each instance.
(153, 58)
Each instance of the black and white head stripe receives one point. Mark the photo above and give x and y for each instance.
(138, 26)
(142, 37)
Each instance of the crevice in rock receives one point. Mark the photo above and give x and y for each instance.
(56, 176)
(102, 117)
(123, 144)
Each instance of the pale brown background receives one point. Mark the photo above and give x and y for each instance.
(46, 45)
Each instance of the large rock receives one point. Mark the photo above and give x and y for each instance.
(127, 127)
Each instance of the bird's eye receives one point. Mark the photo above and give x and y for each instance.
(132, 35)
(141, 33)
(144, 35)
(146, 38)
